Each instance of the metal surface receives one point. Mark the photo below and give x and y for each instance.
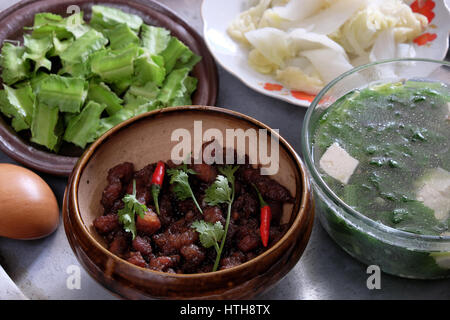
(45, 269)
(8, 288)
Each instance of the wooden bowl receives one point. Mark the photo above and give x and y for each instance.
(17, 145)
(146, 139)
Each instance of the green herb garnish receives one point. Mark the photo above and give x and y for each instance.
(222, 191)
(182, 189)
(219, 192)
(128, 213)
(209, 233)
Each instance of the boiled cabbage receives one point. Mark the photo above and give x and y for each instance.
(295, 78)
(247, 21)
(297, 10)
(300, 40)
(330, 19)
(360, 32)
(260, 63)
(271, 42)
(329, 63)
(306, 43)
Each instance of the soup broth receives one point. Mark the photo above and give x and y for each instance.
(384, 150)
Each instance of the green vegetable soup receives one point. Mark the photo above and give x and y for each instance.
(384, 150)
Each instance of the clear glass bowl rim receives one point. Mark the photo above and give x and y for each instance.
(317, 179)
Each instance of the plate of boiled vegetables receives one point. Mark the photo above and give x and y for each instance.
(69, 78)
(290, 49)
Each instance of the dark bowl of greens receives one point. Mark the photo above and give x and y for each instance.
(152, 267)
(376, 143)
(71, 70)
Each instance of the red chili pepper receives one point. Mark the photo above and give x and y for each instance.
(157, 181)
(266, 216)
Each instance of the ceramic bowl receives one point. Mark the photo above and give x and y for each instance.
(146, 139)
(13, 19)
(232, 56)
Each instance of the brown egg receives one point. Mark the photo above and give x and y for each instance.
(28, 207)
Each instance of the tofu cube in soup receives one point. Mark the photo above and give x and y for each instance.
(434, 192)
(337, 163)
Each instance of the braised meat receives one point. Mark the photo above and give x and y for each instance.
(167, 241)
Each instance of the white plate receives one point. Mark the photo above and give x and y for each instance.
(217, 15)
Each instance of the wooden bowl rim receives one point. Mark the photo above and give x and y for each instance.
(24, 152)
(305, 205)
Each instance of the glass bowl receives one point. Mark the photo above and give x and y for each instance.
(396, 252)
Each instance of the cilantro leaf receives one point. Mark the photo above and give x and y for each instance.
(128, 213)
(229, 171)
(182, 189)
(219, 192)
(209, 234)
(186, 169)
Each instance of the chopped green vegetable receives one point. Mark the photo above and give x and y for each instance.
(149, 91)
(120, 87)
(59, 46)
(102, 94)
(76, 70)
(154, 39)
(122, 36)
(117, 65)
(173, 87)
(45, 19)
(37, 79)
(14, 66)
(68, 71)
(190, 84)
(68, 94)
(175, 50)
(118, 117)
(83, 47)
(36, 50)
(67, 117)
(132, 207)
(49, 24)
(75, 25)
(82, 69)
(46, 126)
(19, 105)
(82, 129)
(209, 234)
(139, 104)
(149, 69)
(189, 62)
(108, 18)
